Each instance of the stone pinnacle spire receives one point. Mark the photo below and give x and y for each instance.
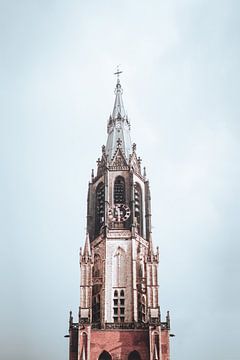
(118, 126)
(87, 250)
(118, 108)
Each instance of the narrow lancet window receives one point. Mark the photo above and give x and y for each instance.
(96, 289)
(96, 303)
(141, 308)
(100, 202)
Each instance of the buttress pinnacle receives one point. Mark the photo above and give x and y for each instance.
(87, 249)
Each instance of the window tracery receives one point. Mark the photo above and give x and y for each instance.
(119, 306)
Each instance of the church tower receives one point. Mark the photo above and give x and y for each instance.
(119, 313)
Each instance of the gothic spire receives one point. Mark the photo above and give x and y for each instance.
(118, 108)
(87, 250)
(118, 126)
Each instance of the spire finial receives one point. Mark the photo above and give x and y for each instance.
(118, 72)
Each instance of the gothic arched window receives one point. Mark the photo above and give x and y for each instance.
(156, 343)
(141, 308)
(134, 355)
(96, 302)
(138, 207)
(119, 190)
(105, 356)
(100, 204)
(97, 267)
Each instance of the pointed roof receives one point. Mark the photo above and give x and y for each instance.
(118, 108)
(118, 158)
(118, 127)
(87, 249)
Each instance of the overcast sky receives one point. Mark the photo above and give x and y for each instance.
(181, 91)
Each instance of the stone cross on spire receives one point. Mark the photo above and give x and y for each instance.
(118, 108)
(118, 72)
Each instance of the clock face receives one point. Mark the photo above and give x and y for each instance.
(119, 213)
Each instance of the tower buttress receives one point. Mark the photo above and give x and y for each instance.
(86, 281)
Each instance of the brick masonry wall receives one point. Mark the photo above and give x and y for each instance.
(165, 345)
(119, 343)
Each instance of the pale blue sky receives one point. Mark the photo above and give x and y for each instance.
(181, 91)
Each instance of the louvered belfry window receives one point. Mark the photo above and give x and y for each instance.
(100, 203)
(138, 207)
(119, 190)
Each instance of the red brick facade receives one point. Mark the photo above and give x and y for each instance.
(119, 344)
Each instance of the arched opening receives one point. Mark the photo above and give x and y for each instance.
(100, 203)
(105, 356)
(119, 190)
(134, 355)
